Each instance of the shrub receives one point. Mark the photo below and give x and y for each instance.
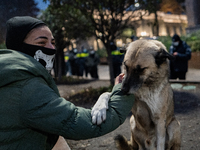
(193, 40)
(166, 40)
(194, 45)
(102, 53)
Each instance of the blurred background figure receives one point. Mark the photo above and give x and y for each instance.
(73, 62)
(67, 65)
(182, 53)
(133, 38)
(117, 59)
(82, 56)
(91, 63)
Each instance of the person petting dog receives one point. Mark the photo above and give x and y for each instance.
(33, 115)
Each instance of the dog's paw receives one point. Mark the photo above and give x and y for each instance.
(98, 112)
(121, 143)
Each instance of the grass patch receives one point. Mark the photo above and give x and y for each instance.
(88, 96)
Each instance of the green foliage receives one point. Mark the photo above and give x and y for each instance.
(193, 40)
(192, 37)
(194, 45)
(166, 40)
(11, 8)
(150, 5)
(62, 15)
(102, 53)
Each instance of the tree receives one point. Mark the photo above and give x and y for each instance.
(105, 19)
(171, 6)
(11, 8)
(152, 6)
(56, 26)
(64, 28)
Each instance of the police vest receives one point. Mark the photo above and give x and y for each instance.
(116, 52)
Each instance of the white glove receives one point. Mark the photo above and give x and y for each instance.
(99, 110)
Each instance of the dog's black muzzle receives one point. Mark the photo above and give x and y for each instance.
(125, 88)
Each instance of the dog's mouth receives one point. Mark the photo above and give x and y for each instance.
(130, 87)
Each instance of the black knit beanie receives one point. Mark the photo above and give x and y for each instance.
(176, 38)
(17, 29)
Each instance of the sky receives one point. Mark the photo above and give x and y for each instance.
(42, 5)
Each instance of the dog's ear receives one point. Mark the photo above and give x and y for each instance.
(162, 55)
(124, 48)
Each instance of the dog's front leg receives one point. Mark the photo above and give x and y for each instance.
(161, 133)
(99, 110)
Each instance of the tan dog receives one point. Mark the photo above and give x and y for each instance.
(153, 124)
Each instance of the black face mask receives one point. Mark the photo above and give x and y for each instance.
(42, 54)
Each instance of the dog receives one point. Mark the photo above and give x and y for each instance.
(153, 123)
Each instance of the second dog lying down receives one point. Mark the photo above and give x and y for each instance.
(153, 124)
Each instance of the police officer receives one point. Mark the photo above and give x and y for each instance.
(82, 55)
(117, 59)
(92, 62)
(67, 64)
(73, 61)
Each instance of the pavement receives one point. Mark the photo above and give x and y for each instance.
(193, 75)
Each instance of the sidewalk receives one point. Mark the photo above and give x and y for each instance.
(192, 74)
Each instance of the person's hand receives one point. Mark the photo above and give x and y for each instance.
(61, 144)
(119, 78)
(98, 112)
(175, 53)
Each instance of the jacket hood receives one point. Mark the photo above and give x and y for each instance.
(16, 66)
(176, 38)
(20, 26)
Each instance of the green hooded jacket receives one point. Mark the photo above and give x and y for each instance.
(33, 114)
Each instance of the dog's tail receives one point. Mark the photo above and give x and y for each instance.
(122, 143)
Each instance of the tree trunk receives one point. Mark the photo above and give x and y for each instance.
(59, 68)
(156, 24)
(110, 64)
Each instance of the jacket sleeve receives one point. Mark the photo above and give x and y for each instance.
(171, 49)
(187, 54)
(44, 110)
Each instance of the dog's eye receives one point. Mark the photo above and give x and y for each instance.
(140, 70)
(126, 67)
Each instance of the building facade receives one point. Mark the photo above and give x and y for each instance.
(193, 11)
(169, 24)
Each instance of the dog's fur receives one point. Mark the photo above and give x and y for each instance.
(153, 124)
